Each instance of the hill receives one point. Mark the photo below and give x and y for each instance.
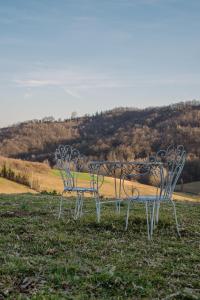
(116, 134)
(40, 177)
(191, 187)
(10, 187)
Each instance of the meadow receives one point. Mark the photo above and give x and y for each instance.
(42, 257)
(49, 180)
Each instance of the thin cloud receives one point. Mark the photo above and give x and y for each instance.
(77, 83)
(36, 83)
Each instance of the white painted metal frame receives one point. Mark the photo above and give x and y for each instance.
(124, 172)
(171, 165)
(109, 168)
(71, 163)
(165, 168)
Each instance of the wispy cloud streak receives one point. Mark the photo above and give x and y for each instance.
(84, 79)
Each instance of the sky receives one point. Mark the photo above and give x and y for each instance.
(60, 56)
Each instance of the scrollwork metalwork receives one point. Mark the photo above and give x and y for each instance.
(71, 163)
(173, 160)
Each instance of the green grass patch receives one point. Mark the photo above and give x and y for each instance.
(42, 257)
(81, 175)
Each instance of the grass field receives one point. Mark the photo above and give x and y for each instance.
(43, 258)
(50, 180)
(10, 187)
(81, 176)
(192, 187)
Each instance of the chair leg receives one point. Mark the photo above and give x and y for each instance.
(60, 208)
(77, 206)
(81, 204)
(150, 211)
(118, 206)
(176, 220)
(98, 208)
(127, 214)
(157, 212)
(152, 217)
(147, 216)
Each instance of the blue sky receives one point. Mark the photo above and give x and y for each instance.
(87, 55)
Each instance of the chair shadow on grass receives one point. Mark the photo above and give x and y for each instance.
(116, 224)
(111, 221)
(137, 226)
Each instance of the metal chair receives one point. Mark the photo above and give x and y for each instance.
(165, 168)
(71, 163)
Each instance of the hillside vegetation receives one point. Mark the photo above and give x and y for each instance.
(116, 134)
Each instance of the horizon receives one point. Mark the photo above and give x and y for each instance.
(192, 102)
(65, 56)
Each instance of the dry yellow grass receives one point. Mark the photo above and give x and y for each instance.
(192, 187)
(21, 165)
(10, 187)
(49, 181)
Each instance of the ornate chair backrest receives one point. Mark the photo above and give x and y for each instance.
(69, 162)
(173, 160)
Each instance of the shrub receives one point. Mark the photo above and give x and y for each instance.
(21, 177)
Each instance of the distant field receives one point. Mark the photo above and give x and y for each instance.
(50, 180)
(22, 165)
(82, 176)
(192, 187)
(45, 258)
(10, 187)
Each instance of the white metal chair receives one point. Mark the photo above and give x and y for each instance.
(166, 171)
(71, 163)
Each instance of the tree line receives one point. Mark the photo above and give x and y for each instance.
(122, 133)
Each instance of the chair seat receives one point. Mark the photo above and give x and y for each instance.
(80, 189)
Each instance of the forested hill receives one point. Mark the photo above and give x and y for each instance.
(116, 134)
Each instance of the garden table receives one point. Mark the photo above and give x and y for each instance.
(122, 171)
